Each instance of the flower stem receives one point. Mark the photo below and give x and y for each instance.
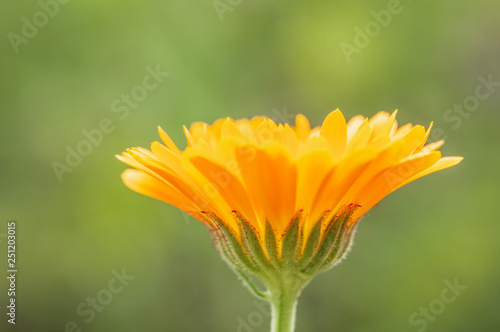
(284, 300)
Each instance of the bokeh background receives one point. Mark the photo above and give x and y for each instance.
(239, 59)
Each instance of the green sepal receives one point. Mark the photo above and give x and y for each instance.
(231, 247)
(337, 245)
(312, 243)
(336, 256)
(333, 231)
(222, 247)
(249, 252)
(291, 241)
(271, 246)
(251, 243)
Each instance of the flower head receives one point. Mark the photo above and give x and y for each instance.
(243, 177)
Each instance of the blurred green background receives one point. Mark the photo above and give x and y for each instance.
(239, 59)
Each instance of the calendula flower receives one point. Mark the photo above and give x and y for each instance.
(282, 201)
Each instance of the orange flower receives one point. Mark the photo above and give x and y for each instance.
(282, 201)
(267, 171)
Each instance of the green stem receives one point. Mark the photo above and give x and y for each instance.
(284, 300)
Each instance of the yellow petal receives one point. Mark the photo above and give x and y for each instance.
(388, 127)
(198, 130)
(167, 157)
(353, 125)
(433, 146)
(412, 140)
(229, 128)
(168, 142)
(290, 139)
(189, 138)
(315, 143)
(379, 122)
(334, 129)
(424, 140)
(361, 138)
(302, 127)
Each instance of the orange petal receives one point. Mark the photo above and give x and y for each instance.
(168, 142)
(228, 186)
(144, 184)
(270, 177)
(387, 181)
(442, 163)
(312, 169)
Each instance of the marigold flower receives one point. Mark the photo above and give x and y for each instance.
(284, 198)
